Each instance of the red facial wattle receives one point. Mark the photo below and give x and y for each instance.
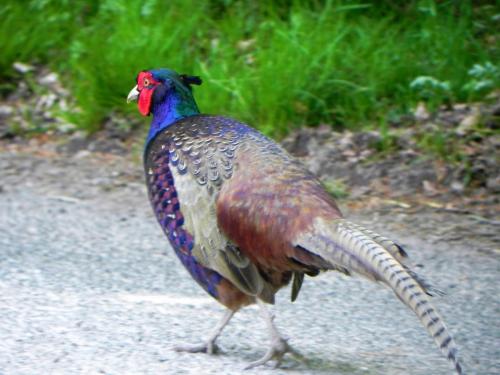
(144, 101)
(146, 85)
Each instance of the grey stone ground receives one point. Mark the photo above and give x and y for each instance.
(88, 286)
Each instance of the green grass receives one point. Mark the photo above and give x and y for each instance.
(38, 31)
(337, 188)
(344, 63)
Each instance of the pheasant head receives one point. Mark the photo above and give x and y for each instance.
(166, 95)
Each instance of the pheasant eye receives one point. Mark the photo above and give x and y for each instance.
(146, 82)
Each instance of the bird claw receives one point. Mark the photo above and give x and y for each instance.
(279, 347)
(207, 347)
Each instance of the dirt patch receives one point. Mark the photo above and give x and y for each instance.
(359, 166)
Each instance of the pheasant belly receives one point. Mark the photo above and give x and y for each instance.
(165, 201)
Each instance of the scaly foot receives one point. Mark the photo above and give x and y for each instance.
(279, 347)
(208, 346)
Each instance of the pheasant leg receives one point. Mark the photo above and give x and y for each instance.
(279, 345)
(208, 346)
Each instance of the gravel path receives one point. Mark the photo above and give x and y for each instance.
(88, 285)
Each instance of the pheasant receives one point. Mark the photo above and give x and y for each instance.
(245, 218)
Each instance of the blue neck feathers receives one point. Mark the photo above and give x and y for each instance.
(169, 109)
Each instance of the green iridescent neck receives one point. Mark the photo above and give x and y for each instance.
(174, 105)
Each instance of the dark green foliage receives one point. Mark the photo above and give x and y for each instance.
(345, 63)
(39, 31)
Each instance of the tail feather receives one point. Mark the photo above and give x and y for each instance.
(400, 254)
(394, 248)
(360, 251)
(406, 287)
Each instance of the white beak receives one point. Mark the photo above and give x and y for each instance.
(133, 95)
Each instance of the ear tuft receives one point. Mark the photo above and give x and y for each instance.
(190, 80)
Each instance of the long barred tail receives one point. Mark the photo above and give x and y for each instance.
(353, 249)
(406, 287)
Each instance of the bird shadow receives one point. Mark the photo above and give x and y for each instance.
(305, 363)
(324, 365)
